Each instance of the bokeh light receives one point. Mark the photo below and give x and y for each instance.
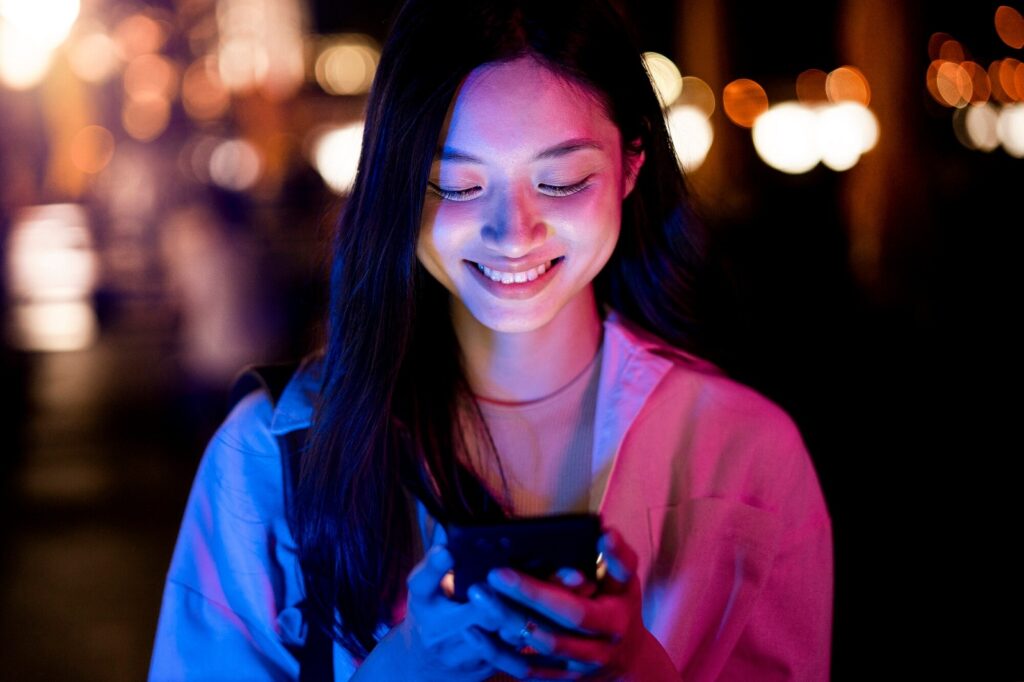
(146, 116)
(243, 64)
(952, 51)
(949, 83)
(1008, 79)
(784, 137)
(1010, 129)
(665, 76)
(975, 126)
(202, 92)
(743, 100)
(53, 326)
(23, 61)
(935, 43)
(843, 132)
(92, 148)
(30, 30)
(335, 155)
(261, 46)
(137, 35)
(50, 254)
(697, 94)
(1010, 26)
(810, 86)
(998, 93)
(346, 64)
(793, 137)
(151, 74)
(847, 84)
(981, 89)
(47, 22)
(235, 165)
(92, 55)
(691, 134)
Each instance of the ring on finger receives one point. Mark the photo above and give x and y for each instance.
(528, 627)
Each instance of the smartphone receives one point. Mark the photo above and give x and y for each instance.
(538, 546)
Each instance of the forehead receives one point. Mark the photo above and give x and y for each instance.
(520, 108)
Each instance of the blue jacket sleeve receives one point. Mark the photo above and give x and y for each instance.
(228, 610)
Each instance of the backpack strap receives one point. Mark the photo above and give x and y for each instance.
(316, 655)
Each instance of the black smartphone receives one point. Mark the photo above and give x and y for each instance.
(538, 546)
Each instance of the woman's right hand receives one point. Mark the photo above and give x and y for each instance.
(441, 639)
(446, 639)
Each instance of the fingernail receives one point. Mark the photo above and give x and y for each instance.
(570, 577)
(504, 576)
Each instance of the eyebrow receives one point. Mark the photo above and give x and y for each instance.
(561, 149)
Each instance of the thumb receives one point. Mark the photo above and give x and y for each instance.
(425, 579)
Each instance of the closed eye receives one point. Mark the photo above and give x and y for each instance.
(452, 194)
(468, 194)
(565, 190)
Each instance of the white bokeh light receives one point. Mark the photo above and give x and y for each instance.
(844, 132)
(235, 165)
(691, 134)
(665, 76)
(785, 138)
(1010, 129)
(30, 30)
(335, 154)
(93, 56)
(980, 122)
(47, 22)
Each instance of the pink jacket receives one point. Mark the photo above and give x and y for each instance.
(706, 479)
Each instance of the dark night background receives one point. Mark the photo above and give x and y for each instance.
(891, 339)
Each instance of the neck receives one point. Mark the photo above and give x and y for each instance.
(524, 366)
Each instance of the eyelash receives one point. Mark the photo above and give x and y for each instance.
(463, 194)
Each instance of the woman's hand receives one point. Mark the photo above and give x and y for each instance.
(441, 639)
(602, 635)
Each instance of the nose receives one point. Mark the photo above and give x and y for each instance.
(515, 227)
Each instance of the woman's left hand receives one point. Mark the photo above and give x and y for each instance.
(602, 635)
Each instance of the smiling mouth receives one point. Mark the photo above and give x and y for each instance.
(517, 277)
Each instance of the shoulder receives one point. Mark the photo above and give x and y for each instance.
(697, 387)
(242, 464)
(731, 440)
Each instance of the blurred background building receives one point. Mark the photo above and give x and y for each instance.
(171, 169)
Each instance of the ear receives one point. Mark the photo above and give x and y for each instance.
(632, 161)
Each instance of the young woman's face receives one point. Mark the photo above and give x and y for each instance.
(524, 199)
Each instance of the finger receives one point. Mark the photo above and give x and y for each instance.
(570, 577)
(588, 651)
(498, 656)
(556, 603)
(576, 581)
(425, 580)
(486, 612)
(619, 557)
(515, 626)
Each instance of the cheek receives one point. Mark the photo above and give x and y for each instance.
(438, 249)
(592, 220)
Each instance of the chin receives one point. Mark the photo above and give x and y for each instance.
(509, 322)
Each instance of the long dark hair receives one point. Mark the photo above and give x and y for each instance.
(386, 427)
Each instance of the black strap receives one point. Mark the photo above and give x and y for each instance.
(316, 657)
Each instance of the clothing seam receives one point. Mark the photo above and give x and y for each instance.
(248, 621)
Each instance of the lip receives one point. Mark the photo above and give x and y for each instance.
(515, 291)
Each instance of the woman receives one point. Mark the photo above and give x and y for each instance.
(509, 332)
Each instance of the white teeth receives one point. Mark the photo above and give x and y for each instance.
(514, 277)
